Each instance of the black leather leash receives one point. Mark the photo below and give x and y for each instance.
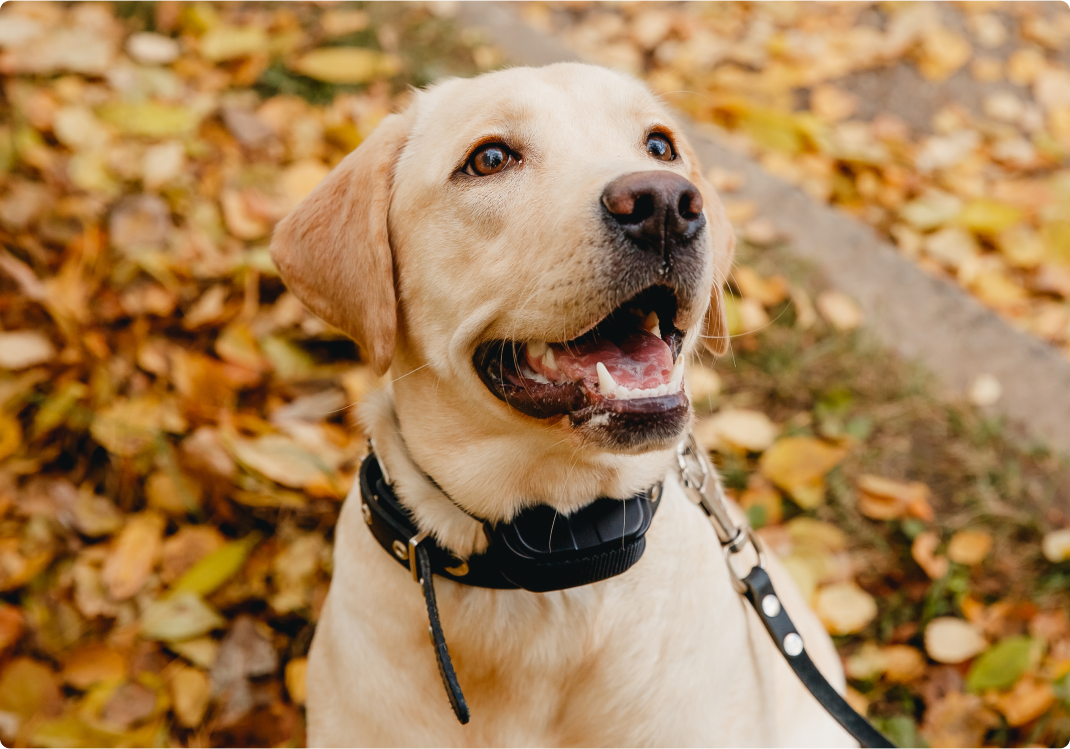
(757, 588)
(540, 551)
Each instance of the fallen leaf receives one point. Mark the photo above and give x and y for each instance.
(21, 349)
(131, 703)
(839, 310)
(957, 719)
(347, 65)
(200, 651)
(91, 664)
(1056, 545)
(179, 617)
(279, 458)
(190, 694)
(133, 556)
(737, 429)
(12, 623)
(1002, 665)
(923, 550)
(187, 547)
(1027, 701)
(844, 608)
(152, 49)
(767, 291)
(210, 572)
(228, 42)
(798, 466)
(29, 688)
(296, 670)
(951, 640)
(150, 119)
(885, 499)
(969, 547)
(903, 664)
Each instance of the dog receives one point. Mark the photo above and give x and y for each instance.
(532, 254)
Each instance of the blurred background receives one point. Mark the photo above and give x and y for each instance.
(177, 431)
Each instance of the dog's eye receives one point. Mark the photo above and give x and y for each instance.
(489, 159)
(660, 147)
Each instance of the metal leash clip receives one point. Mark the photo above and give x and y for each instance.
(696, 474)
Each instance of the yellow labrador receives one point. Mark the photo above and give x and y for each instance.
(532, 253)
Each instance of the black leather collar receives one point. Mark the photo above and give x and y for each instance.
(539, 550)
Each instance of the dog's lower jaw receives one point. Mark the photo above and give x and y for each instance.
(615, 431)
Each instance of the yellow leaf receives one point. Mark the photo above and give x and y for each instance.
(347, 65)
(212, 571)
(227, 42)
(296, 670)
(150, 119)
(986, 216)
(278, 458)
(923, 550)
(885, 499)
(10, 435)
(798, 466)
(93, 663)
(1027, 701)
(179, 617)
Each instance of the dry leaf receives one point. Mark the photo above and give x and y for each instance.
(92, 664)
(1056, 546)
(1027, 701)
(190, 694)
(798, 466)
(844, 608)
(296, 670)
(179, 617)
(839, 310)
(133, 556)
(969, 547)
(957, 719)
(923, 550)
(950, 640)
(347, 65)
(20, 349)
(737, 429)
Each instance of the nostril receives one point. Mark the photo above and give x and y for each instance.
(642, 210)
(690, 205)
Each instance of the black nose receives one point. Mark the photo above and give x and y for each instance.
(657, 210)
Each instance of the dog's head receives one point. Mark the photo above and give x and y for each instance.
(537, 247)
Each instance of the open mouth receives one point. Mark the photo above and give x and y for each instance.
(629, 363)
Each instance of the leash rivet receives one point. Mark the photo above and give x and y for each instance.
(771, 606)
(401, 551)
(793, 644)
(366, 512)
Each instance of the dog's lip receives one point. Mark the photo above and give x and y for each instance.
(509, 372)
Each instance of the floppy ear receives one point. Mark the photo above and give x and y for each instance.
(716, 335)
(333, 249)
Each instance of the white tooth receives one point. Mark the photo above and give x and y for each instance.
(536, 349)
(548, 359)
(605, 381)
(663, 390)
(674, 388)
(650, 392)
(677, 372)
(622, 392)
(652, 321)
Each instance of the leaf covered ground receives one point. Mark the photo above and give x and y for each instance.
(945, 126)
(176, 431)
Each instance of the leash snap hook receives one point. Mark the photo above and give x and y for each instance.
(745, 536)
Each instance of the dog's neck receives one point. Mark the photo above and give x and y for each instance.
(500, 493)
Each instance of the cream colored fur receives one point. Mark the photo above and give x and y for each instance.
(420, 267)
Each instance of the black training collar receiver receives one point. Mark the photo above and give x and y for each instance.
(539, 550)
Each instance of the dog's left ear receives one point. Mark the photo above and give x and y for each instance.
(716, 335)
(333, 249)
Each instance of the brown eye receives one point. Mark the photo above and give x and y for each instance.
(489, 159)
(659, 146)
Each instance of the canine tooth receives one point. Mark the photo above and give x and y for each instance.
(548, 359)
(622, 392)
(606, 383)
(674, 388)
(537, 348)
(663, 390)
(677, 372)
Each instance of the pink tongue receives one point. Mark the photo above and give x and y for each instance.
(640, 361)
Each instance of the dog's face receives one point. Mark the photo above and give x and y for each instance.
(538, 245)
